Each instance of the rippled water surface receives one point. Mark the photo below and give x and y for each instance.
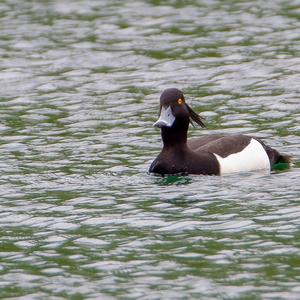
(80, 218)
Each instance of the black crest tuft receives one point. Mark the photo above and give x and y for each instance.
(194, 117)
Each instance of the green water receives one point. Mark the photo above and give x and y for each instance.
(80, 217)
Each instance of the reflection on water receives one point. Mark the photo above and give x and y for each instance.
(174, 179)
(80, 216)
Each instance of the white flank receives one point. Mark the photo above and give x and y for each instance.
(253, 157)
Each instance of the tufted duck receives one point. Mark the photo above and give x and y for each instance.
(210, 154)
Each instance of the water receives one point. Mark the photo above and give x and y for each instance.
(80, 216)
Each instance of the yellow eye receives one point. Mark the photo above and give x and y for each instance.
(179, 101)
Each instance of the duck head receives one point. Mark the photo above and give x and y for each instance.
(175, 111)
(175, 117)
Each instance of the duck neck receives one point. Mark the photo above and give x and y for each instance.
(175, 138)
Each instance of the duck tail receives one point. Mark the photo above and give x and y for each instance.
(286, 159)
(284, 162)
